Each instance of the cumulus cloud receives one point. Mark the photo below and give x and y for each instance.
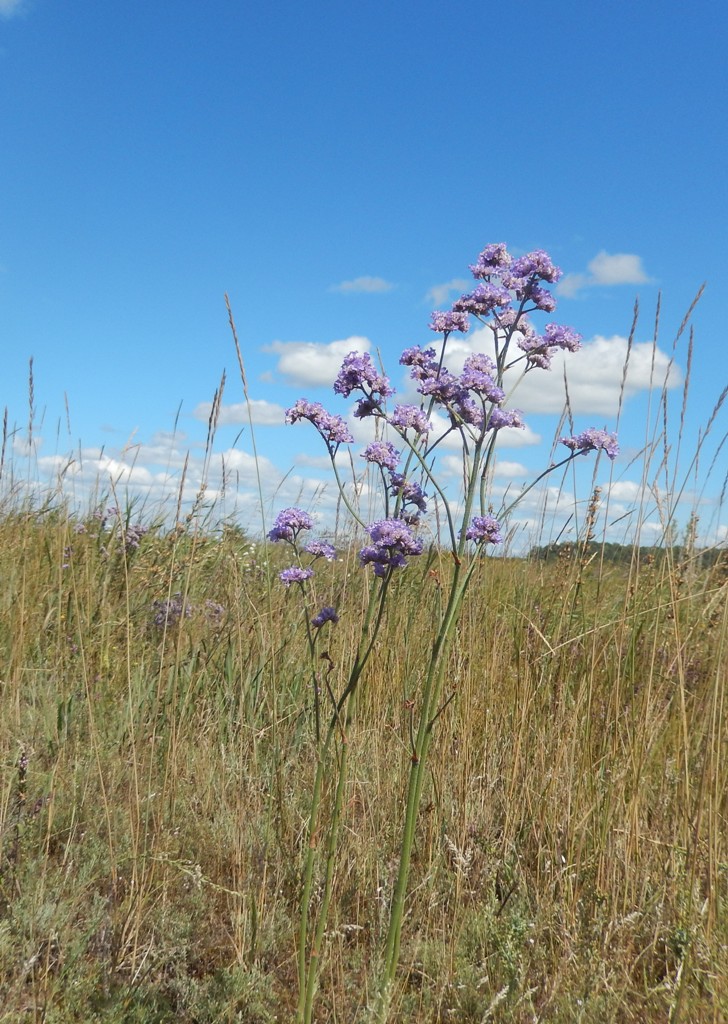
(261, 412)
(510, 470)
(594, 375)
(439, 294)
(604, 271)
(363, 284)
(312, 363)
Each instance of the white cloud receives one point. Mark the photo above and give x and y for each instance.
(261, 412)
(313, 363)
(10, 7)
(439, 294)
(369, 285)
(605, 270)
(342, 459)
(510, 470)
(594, 374)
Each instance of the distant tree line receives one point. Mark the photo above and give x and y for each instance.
(623, 554)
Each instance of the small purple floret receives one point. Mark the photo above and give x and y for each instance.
(593, 440)
(410, 417)
(494, 259)
(484, 530)
(410, 491)
(321, 549)
(505, 418)
(294, 575)
(392, 541)
(289, 523)
(332, 428)
(444, 323)
(358, 373)
(382, 453)
(327, 614)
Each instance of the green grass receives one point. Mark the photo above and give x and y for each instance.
(571, 859)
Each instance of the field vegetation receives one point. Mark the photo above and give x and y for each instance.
(157, 753)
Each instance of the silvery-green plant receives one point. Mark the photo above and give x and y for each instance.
(471, 406)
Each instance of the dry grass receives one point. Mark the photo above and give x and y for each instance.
(571, 860)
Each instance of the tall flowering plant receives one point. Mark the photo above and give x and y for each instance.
(471, 407)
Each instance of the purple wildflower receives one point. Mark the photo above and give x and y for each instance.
(133, 536)
(494, 259)
(382, 453)
(327, 614)
(411, 492)
(483, 300)
(542, 299)
(537, 351)
(410, 417)
(366, 407)
(536, 264)
(477, 376)
(444, 323)
(358, 373)
(169, 613)
(321, 549)
(484, 530)
(289, 523)
(423, 361)
(294, 575)
(467, 410)
(393, 540)
(558, 336)
(540, 350)
(593, 440)
(332, 428)
(214, 611)
(505, 418)
(441, 385)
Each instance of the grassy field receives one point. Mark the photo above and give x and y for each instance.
(157, 756)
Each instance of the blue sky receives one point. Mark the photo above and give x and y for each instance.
(334, 168)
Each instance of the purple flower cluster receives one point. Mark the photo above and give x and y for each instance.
(486, 298)
(289, 523)
(358, 373)
(477, 376)
(540, 349)
(593, 440)
(444, 323)
(332, 428)
(214, 611)
(294, 575)
(326, 614)
(505, 418)
(507, 290)
(423, 362)
(393, 541)
(411, 494)
(170, 612)
(493, 260)
(133, 536)
(454, 392)
(410, 417)
(320, 549)
(382, 453)
(484, 530)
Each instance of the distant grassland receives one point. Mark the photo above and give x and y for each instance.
(156, 755)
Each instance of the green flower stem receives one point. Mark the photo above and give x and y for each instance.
(331, 847)
(430, 701)
(308, 965)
